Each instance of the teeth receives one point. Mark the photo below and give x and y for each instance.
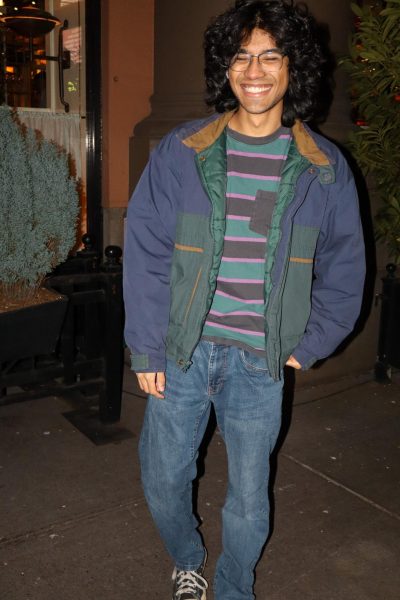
(256, 89)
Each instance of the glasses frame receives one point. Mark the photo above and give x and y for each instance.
(257, 56)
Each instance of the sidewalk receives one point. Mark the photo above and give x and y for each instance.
(74, 525)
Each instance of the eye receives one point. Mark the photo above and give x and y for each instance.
(270, 59)
(241, 57)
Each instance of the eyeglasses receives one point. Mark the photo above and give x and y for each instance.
(270, 61)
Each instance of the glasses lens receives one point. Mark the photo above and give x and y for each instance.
(240, 62)
(269, 61)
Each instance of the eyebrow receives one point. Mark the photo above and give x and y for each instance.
(244, 51)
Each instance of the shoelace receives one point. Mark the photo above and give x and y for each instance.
(189, 582)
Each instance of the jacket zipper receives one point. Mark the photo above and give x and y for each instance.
(279, 286)
(203, 180)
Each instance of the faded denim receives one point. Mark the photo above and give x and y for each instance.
(247, 403)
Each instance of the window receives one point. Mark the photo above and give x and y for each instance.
(29, 75)
(23, 70)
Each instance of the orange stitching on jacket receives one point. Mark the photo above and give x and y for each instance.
(305, 261)
(188, 248)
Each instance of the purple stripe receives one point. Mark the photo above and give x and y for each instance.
(285, 136)
(235, 238)
(239, 313)
(240, 196)
(219, 293)
(251, 176)
(243, 260)
(234, 280)
(255, 155)
(245, 331)
(237, 218)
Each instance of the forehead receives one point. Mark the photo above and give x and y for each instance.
(258, 39)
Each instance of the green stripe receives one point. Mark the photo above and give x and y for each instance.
(241, 229)
(238, 185)
(242, 270)
(277, 146)
(227, 305)
(254, 341)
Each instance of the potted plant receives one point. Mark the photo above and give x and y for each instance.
(38, 215)
(374, 68)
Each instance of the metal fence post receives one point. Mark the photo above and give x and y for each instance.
(110, 396)
(389, 326)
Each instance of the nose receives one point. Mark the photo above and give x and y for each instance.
(254, 70)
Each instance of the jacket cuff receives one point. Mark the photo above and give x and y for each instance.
(306, 359)
(143, 363)
(139, 362)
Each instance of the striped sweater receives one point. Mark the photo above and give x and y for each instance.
(254, 167)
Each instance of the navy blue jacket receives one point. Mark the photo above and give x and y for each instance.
(314, 269)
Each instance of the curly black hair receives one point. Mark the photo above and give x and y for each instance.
(296, 34)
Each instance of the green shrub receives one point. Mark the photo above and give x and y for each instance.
(374, 67)
(38, 206)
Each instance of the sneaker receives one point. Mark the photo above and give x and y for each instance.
(189, 585)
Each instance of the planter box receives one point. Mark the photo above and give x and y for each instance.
(31, 330)
(86, 354)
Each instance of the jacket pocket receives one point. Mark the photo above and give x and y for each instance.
(188, 268)
(296, 299)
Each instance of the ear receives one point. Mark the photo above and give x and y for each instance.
(227, 74)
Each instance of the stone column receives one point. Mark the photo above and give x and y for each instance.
(178, 73)
(337, 16)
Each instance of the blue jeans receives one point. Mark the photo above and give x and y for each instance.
(247, 403)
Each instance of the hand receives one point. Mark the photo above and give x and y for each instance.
(292, 362)
(152, 383)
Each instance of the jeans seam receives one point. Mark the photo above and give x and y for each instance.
(210, 369)
(196, 429)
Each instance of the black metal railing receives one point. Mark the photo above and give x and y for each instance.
(389, 327)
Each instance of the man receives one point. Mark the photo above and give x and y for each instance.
(243, 253)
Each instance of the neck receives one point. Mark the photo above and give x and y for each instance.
(256, 125)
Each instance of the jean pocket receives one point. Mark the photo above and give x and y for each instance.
(253, 362)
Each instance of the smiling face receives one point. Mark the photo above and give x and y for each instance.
(259, 93)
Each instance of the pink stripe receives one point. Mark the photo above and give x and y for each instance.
(240, 196)
(237, 218)
(251, 176)
(285, 136)
(255, 155)
(245, 331)
(242, 260)
(234, 280)
(239, 313)
(234, 238)
(219, 293)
